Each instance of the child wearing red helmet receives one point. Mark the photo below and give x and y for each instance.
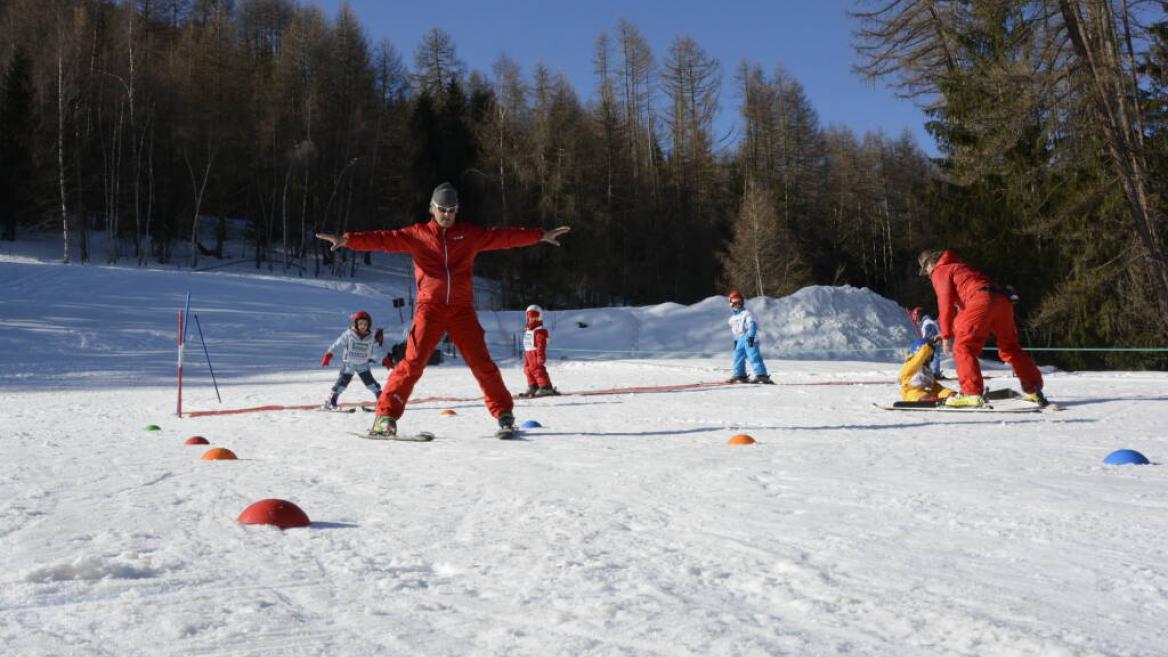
(535, 342)
(358, 347)
(746, 346)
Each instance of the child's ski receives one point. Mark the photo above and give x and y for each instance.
(420, 437)
(1028, 407)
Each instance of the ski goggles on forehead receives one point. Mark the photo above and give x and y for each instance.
(448, 209)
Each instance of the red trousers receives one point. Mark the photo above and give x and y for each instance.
(989, 314)
(535, 370)
(431, 322)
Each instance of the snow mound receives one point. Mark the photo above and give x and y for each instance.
(815, 323)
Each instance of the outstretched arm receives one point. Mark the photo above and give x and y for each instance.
(392, 241)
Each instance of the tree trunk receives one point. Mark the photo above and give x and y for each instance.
(61, 148)
(1106, 80)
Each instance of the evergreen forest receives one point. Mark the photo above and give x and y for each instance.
(156, 122)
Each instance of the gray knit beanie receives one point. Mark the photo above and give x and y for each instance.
(445, 195)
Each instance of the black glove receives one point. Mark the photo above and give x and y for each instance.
(379, 337)
(750, 342)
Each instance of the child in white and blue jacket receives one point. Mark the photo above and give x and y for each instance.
(745, 331)
(928, 329)
(358, 347)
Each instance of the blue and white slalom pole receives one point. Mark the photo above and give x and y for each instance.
(208, 355)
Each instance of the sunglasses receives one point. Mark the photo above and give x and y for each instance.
(448, 210)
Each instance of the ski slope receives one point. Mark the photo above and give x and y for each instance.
(624, 526)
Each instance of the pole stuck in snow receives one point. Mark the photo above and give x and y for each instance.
(182, 339)
(208, 355)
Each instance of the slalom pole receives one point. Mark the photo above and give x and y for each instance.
(208, 354)
(182, 335)
(178, 412)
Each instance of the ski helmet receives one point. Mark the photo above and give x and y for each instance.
(736, 298)
(916, 346)
(359, 315)
(916, 313)
(535, 312)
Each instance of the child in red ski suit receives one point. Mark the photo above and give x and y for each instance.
(444, 254)
(535, 342)
(985, 309)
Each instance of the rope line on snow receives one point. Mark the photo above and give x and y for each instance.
(858, 350)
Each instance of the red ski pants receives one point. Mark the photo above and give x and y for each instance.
(431, 322)
(989, 314)
(533, 367)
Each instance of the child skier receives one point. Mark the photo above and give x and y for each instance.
(357, 346)
(928, 329)
(745, 331)
(535, 342)
(916, 375)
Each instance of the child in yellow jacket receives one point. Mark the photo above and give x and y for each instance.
(916, 375)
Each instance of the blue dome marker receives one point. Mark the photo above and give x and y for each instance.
(530, 424)
(1126, 457)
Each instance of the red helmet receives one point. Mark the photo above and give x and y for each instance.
(736, 298)
(534, 312)
(359, 315)
(916, 313)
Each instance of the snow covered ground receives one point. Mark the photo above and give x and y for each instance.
(625, 526)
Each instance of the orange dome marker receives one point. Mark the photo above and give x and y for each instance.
(219, 454)
(280, 513)
(197, 440)
(741, 439)
(449, 411)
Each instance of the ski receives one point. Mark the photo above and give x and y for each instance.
(941, 407)
(367, 409)
(420, 437)
(1008, 393)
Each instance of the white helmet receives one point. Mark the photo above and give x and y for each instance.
(535, 309)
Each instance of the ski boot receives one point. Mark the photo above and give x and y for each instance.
(529, 393)
(383, 427)
(545, 391)
(506, 427)
(762, 379)
(330, 404)
(965, 401)
(738, 378)
(1037, 397)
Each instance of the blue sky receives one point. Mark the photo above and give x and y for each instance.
(811, 38)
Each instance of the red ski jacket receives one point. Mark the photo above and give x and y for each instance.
(956, 285)
(443, 257)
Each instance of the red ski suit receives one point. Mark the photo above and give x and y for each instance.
(535, 342)
(443, 267)
(984, 312)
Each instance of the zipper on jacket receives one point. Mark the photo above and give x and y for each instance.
(446, 263)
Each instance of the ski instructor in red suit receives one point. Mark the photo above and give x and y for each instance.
(444, 254)
(985, 309)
